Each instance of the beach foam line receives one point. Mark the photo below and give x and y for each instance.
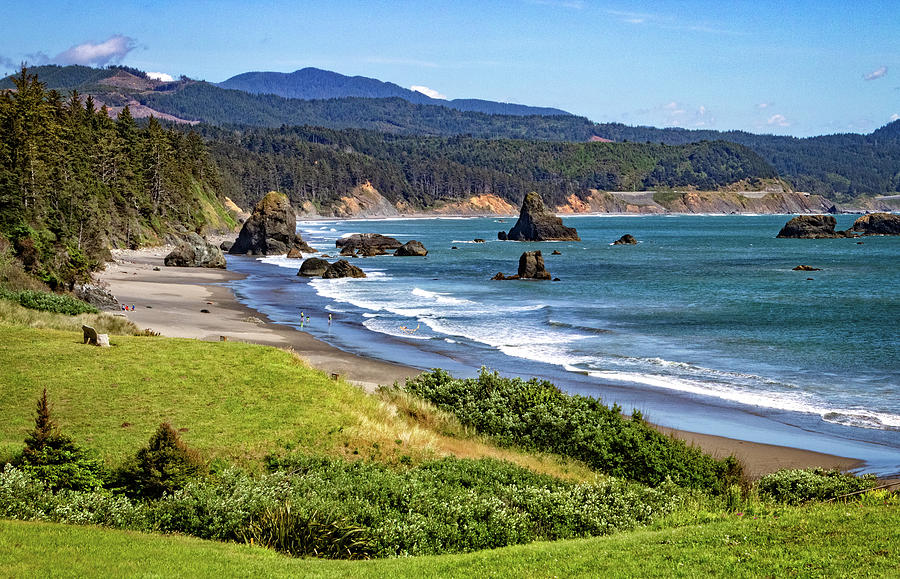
(793, 402)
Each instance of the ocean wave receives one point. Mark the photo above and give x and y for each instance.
(440, 298)
(788, 401)
(397, 329)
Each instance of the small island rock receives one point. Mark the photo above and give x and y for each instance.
(807, 268)
(364, 241)
(411, 248)
(811, 227)
(313, 267)
(342, 268)
(877, 224)
(537, 223)
(626, 239)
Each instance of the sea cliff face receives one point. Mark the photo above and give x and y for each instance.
(724, 202)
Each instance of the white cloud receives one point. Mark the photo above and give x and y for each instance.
(876, 74)
(428, 92)
(113, 49)
(762, 106)
(778, 121)
(161, 76)
(895, 117)
(675, 114)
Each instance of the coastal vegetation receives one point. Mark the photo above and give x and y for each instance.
(74, 182)
(247, 444)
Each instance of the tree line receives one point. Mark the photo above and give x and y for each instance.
(74, 182)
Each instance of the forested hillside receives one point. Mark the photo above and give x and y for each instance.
(314, 83)
(73, 181)
(321, 164)
(842, 167)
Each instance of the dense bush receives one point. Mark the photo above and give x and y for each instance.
(165, 465)
(48, 302)
(334, 508)
(536, 415)
(799, 486)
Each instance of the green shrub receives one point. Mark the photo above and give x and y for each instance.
(798, 486)
(536, 415)
(49, 302)
(301, 534)
(165, 465)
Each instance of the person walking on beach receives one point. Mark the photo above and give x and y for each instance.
(329, 319)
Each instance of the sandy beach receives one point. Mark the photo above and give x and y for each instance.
(193, 303)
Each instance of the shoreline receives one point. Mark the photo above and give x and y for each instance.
(169, 301)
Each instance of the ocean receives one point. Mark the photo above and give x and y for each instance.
(703, 325)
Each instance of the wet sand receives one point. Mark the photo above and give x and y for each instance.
(171, 300)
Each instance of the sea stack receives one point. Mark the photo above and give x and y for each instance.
(811, 227)
(537, 223)
(877, 224)
(271, 229)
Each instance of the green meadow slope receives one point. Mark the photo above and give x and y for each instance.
(833, 540)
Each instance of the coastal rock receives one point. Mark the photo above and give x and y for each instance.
(807, 268)
(877, 224)
(342, 268)
(811, 227)
(294, 253)
(363, 201)
(556, 252)
(501, 235)
(531, 266)
(313, 267)
(626, 239)
(371, 252)
(364, 241)
(271, 229)
(411, 248)
(478, 240)
(97, 296)
(226, 245)
(194, 251)
(536, 223)
(348, 252)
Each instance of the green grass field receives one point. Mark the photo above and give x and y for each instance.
(233, 401)
(817, 541)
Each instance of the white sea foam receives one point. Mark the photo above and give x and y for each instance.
(393, 328)
(440, 298)
(763, 398)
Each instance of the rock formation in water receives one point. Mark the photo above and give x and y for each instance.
(537, 223)
(271, 229)
(362, 242)
(811, 227)
(194, 251)
(313, 267)
(877, 224)
(807, 268)
(342, 268)
(626, 239)
(412, 248)
(531, 266)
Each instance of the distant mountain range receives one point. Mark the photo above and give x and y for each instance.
(841, 167)
(315, 83)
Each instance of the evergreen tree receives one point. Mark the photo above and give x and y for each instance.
(54, 458)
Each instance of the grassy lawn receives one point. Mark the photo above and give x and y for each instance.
(233, 401)
(816, 541)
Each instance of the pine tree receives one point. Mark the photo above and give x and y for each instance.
(54, 458)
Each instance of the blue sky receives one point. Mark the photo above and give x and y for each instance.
(799, 68)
